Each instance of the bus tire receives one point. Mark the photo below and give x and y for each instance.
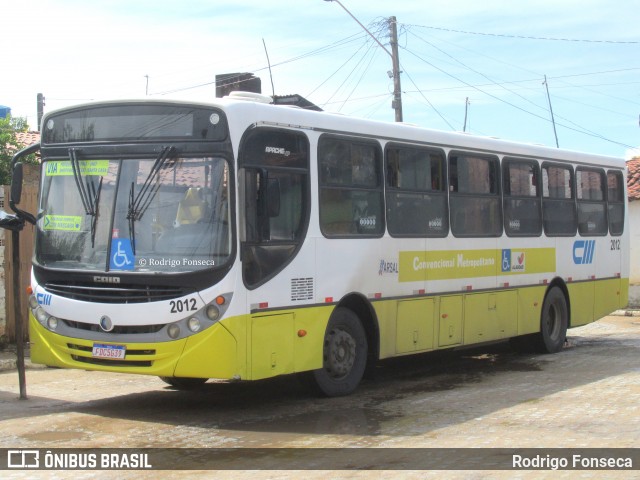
(554, 321)
(184, 383)
(344, 355)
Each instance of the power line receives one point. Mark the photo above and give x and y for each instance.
(525, 37)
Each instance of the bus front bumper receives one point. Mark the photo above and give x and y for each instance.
(208, 354)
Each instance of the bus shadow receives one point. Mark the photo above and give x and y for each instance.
(430, 391)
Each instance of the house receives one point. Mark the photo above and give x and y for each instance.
(633, 192)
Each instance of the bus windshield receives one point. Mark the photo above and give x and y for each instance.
(164, 214)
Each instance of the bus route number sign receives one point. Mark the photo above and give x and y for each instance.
(108, 351)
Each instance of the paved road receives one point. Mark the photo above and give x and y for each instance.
(587, 396)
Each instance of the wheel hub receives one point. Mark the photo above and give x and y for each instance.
(341, 353)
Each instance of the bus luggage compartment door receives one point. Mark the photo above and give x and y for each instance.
(450, 332)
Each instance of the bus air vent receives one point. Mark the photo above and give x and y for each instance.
(301, 289)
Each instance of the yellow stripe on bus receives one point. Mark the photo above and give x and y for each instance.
(451, 264)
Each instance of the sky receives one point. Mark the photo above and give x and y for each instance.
(486, 59)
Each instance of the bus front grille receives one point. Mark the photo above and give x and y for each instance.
(120, 293)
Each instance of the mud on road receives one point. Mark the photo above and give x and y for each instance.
(588, 395)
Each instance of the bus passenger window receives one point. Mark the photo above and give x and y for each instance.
(475, 197)
(522, 206)
(558, 202)
(592, 208)
(615, 200)
(351, 202)
(416, 199)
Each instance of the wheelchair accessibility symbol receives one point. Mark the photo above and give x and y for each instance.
(121, 257)
(506, 260)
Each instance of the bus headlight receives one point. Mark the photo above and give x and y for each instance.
(33, 302)
(173, 330)
(194, 324)
(213, 312)
(52, 323)
(41, 315)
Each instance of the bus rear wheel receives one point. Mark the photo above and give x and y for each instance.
(344, 355)
(554, 321)
(183, 383)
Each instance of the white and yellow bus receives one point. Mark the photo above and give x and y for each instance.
(242, 240)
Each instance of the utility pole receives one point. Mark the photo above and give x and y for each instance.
(553, 120)
(395, 59)
(40, 109)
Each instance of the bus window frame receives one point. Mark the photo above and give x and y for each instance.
(497, 196)
(506, 162)
(604, 190)
(392, 190)
(572, 200)
(621, 202)
(352, 187)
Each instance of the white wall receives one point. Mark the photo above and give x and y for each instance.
(634, 238)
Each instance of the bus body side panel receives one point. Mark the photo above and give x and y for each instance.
(286, 341)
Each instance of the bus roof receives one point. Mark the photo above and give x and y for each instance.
(244, 112)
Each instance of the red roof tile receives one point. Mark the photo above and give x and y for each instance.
(28, 138)
(633, 178)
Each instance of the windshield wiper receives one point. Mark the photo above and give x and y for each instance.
(77, 175)
(138, 204)
(89, 195)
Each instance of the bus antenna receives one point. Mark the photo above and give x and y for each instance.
(273, 90)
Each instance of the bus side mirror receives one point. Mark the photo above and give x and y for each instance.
(16, 183)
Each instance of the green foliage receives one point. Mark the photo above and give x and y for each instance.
(9, 145)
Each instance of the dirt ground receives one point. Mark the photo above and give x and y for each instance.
(587, 396)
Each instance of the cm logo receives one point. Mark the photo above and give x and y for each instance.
(583, 251)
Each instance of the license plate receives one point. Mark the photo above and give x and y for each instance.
(108, 351)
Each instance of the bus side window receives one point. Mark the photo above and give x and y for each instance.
(522, 206)
(475, 195)
(275, 181)
(351, 198)
(615, 200)
(416, 199)
(592, 208)
(558, 202)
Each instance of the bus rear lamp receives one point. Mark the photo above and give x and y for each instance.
(213, 313)
(220, 300)
(29, 290)
(52, 323)
(193, 324)
(173, 330)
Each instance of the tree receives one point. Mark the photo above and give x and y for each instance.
(9, 145)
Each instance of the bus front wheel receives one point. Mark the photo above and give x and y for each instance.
(554, 320)
(344, 355)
